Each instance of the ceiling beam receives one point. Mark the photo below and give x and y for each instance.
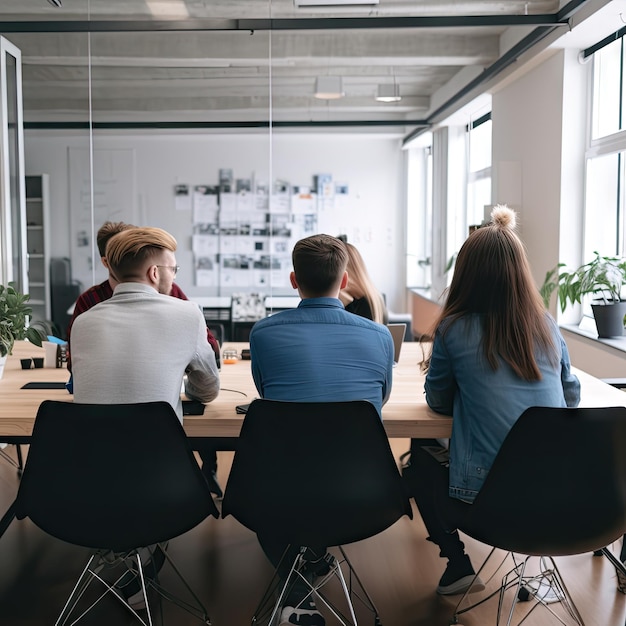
(215, 125)
(332, 23)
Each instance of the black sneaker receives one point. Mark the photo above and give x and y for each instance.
(136, 601)
(459, 577)
(129, 585)
(319, 566)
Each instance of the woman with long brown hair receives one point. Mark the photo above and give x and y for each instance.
(496, 352)
(360, 296)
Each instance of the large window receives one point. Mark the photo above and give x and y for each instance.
(479, 169)
(606, 155)
(608, 90)
(419, 215)
(604, 228)
(457, 163)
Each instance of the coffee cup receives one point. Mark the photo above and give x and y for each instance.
(51, 353)
(38, 361)
(26, 363)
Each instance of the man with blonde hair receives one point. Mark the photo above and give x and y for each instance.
(141, 336)
(103, 291)
(138, 345)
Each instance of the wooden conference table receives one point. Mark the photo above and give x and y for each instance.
(405, 415)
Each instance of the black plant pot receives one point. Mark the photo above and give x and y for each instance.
(610, 318)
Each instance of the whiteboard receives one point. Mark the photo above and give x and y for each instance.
(114, 198)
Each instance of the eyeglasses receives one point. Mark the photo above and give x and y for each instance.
(174, 268)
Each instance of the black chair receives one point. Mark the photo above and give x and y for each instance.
(317, 474)
(114, 478)
(218, 331)
(619, 564)
(557, 487)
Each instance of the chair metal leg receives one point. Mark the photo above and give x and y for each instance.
(260, 610)
(199, 610)
(315, 589)
(519, 576)
(20, 460)
(515, 580)
(620, 568)
(133, 563)
(350, 591)
(508, 579)
(79, 588)
(89, 574)
(367, 601)
(346, 593)
(142, 580)
(276, 588)
(554, 581)
(7, 518)
(293, 573)
(457, 610)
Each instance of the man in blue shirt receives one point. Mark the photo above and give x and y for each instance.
(318, 352)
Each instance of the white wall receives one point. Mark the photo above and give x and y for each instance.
(527, 135)
(372, 166)
(539, 127)
(594, 357)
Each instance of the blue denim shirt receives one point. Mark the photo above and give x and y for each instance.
(485, 403)
(320, 352)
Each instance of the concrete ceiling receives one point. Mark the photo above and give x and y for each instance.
(220, 61)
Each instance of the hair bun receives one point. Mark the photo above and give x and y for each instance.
(502, 216)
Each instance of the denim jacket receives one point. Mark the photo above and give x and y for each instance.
(485, 403)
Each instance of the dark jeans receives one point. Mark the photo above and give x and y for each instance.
(208, 455)
(428, 479)
(207, 449)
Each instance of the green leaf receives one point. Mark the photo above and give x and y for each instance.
(14, 315)
(603, 277)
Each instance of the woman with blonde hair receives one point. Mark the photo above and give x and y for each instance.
(360, 296)
(496, 352)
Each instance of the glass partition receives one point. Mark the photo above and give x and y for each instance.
(55, 86)
(180, 141)
(238, 127)
(348, 176)
(13, 240)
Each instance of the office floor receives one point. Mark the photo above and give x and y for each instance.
(225, 565)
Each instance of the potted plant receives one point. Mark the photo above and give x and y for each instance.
(603, 277)
(14, 312)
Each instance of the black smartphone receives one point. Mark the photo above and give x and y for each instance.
(193, 407)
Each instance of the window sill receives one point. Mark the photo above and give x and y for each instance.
(587, 329)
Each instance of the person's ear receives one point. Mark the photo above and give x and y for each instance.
(104, 261)
(344, 281)
(292, 280)
(153, 274)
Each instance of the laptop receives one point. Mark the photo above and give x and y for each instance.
(397, 334)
